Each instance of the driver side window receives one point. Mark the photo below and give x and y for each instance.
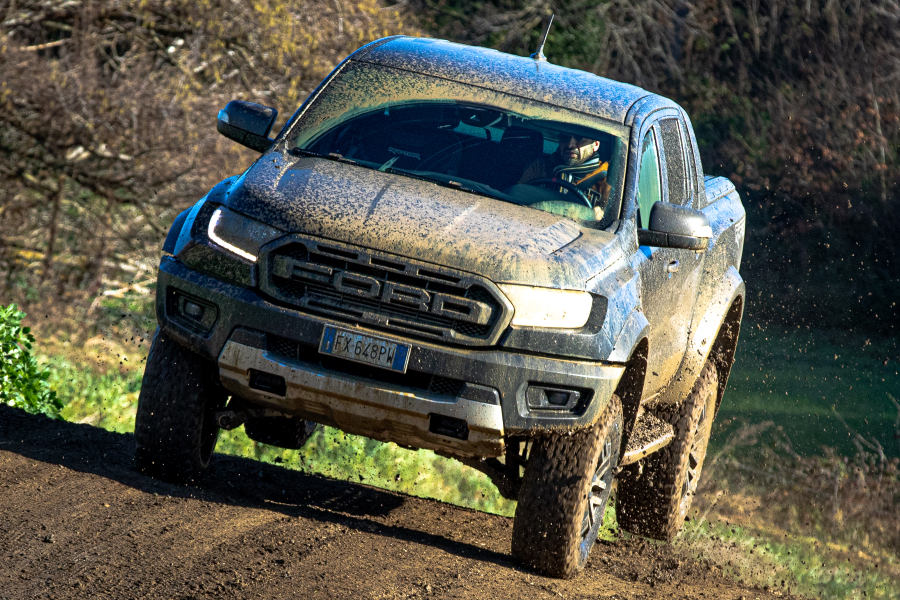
(649, 188)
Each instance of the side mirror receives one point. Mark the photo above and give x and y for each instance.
(247, 123)
(674, 226)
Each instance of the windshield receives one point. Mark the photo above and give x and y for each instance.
(511, 149)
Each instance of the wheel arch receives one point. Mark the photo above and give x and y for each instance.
(725, 345)
(724, 304)
(631, 386)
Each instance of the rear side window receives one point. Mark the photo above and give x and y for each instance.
(649, 191)
(676, 170)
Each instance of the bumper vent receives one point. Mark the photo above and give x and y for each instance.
(383, 292)
(445, 386)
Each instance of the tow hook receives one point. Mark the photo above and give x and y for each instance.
(232, 419)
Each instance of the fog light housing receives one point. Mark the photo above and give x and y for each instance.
(191, 312)
(541, 397)
(559, 398)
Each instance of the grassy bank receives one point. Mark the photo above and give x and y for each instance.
(817, 385)
(823, 526)
(769, 557)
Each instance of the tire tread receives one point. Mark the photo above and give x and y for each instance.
(553, 497)
(650, 503)
(179, 392)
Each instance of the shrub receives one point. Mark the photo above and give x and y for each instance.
(23, 383)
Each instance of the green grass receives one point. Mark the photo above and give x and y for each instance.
(798, 378)
(422, 473)
(778, 560)
(106, 400)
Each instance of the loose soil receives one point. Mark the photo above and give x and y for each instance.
(77, 521)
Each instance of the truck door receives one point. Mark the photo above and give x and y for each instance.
(669, 276)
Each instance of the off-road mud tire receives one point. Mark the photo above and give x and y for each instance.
(548, 531)
(282, 432)
(653, 499)
(174, 430)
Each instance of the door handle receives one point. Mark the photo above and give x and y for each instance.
(672, 267)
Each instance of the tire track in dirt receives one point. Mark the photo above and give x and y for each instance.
(77, 521)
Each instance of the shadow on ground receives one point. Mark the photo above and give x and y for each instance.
(230, 480)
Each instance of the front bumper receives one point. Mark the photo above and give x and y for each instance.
(374, 409)
(493, 398)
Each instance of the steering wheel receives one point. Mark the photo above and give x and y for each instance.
(552, 182)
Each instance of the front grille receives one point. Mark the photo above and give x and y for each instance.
(433, 384)
(383, 292)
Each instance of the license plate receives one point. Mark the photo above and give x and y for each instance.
(365, 349)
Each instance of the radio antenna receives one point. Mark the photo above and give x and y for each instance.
(539, 55)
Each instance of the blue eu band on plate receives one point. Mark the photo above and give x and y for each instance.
(365, 349)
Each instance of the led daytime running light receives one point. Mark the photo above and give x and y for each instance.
(211, 233)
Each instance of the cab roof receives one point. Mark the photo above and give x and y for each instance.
(515, 75)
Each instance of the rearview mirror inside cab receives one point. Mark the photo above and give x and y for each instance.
(673, 226)
(247, 123)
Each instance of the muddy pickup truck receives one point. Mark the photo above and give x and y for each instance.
(510, 263)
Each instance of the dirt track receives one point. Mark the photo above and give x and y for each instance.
(76, 520)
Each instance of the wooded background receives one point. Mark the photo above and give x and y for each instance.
(107, 123)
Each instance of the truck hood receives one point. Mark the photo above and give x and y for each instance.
(421, 220)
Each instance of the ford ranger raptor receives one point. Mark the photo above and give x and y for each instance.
(384, 268)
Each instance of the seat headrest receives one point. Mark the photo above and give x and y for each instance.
(523, 139)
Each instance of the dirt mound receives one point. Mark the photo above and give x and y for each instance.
(76, 520)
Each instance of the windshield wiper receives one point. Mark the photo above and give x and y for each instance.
(330, 156)
(388, 164)
(455, 185)
(388, 168)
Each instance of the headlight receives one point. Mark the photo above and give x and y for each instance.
(238, 234)
(543, 307)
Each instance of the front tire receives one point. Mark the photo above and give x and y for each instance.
(654, 501)
(174, 430)
(564, 492)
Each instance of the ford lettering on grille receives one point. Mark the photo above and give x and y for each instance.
(358, 287)
(354, 284)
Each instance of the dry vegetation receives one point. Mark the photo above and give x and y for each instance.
(848, 499)
(107, 122)
(826, 526)
(107, 110)
(795, 100)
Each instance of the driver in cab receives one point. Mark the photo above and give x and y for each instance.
(577, 162)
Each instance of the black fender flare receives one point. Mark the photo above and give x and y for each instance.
(726, 309)
(635, 329)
